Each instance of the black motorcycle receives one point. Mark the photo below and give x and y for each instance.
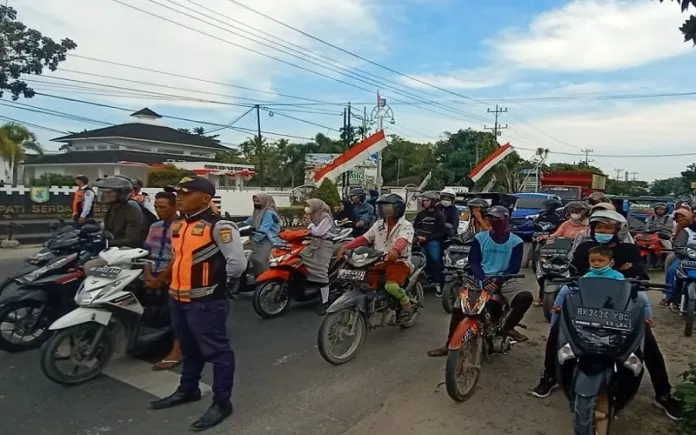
(30, 303)
(542, 230)
(456, 265)
(599, 358)
(553, 264)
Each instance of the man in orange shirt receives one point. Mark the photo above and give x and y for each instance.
(83, 199)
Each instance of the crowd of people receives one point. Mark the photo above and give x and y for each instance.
(204, 250)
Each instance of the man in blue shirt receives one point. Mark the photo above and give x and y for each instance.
(496, 252)
(363, 211)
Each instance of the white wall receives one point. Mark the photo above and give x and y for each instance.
(141, 145)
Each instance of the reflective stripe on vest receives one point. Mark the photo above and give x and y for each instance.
(194, 248)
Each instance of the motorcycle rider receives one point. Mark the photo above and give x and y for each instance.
(684, 233)
(266, 224)
(393, 235)
(477, 222)
(577, 212)
(605, 226)
(451, 212)
(549, 214)
(124, 218)
(496, 252)
(363, 211)
(318, 254)
(430, 233)
(207, 252)
(597, 197)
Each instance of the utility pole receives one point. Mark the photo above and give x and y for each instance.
(618, 174)
(497, 127)
(379, 113)
(258, 121)
(587, 152)
(346, 144)
(633, 175)
(259, 144)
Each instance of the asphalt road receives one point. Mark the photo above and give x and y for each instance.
(283, 385)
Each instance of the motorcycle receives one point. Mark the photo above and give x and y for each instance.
(112, 314)
(553, 263)
(365, 304)
(286, 278)
(31, 302)
(479, 335)
(456, 264)
(686, 279)
(599, 358)
(651, 249)
(542, 230)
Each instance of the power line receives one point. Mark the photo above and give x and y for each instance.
(587, 152)
(496, 127)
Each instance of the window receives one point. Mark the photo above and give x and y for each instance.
(532, 202)
(193, 153)
(89, 147)
(567, 193)
(113, 147)
(170, 151)
(102, 147)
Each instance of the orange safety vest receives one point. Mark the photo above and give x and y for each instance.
(78, 201)
(199, 268)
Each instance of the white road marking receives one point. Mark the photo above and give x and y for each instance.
(139, 374)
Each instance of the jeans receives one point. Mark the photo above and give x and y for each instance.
(652, 357)
(671, 280)
(433, 251)
(201, 328)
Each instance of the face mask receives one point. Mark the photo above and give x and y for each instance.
(446, 203)
(257, 206)
(576, 216)
(307, 210)
(500, 227)
(602, 270)
(603, 238)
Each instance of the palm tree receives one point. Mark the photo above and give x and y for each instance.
(15, 140)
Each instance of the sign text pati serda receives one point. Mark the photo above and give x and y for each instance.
(39, 202)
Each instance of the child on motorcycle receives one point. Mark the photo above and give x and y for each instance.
(393, 235)
(578, 212)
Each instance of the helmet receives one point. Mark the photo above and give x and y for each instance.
(393, 199)
(552, 204)
(602, 206)
(448, 194)
(358, 191)
(608, 217)
(660, 205)
(577, 207)
(597, 197)
(433, 196)
(120, 184)
(478, 202)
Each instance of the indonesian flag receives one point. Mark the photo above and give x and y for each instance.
(491, 160)
(352, 157)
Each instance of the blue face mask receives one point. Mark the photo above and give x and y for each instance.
(602, 270)
(603, 238)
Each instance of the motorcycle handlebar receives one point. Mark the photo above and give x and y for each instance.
(637, 281)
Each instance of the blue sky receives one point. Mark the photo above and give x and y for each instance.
(551, 63)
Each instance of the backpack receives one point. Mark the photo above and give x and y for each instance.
(149, 217)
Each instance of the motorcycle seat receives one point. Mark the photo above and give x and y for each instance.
(343, 234)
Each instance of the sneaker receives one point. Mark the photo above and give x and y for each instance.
(545, 387)
(671, 406)
(438, 291)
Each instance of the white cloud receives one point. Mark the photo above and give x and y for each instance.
(110, 31)
(593, 35)
(479, 78)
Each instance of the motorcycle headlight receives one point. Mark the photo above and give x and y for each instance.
(359, 260)
(634, 364)
(565, 353)
(691, 252)
(32, 276)
(461, 262)
(532, 217)
(85, 297)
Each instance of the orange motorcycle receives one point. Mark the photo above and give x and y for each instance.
(477, 336)
(651, 249)
(286, 278)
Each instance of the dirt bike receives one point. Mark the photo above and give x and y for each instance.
(286, 278)
(477, 336)
(365, 304)
(599, 353)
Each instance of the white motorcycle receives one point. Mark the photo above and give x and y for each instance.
(109, 318)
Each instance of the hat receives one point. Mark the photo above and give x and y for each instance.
(684, 212)
(498, 211)
(196, 184)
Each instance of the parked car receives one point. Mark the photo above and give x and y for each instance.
(527, 209)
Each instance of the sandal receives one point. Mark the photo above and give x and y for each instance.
(440, 351)
(166, 364)
(538, 303)
(515, 335)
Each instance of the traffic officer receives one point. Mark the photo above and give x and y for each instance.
(207, 252)
(83, 199)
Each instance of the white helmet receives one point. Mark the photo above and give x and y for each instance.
(608, 217)
(448, 192)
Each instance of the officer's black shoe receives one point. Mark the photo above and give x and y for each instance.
(176, 399)
(213, 416)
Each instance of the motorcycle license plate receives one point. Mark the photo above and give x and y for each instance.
(540, 233)
(603, 318)
(688, 264)
(352, 274)
(104, 272)
(460, 249)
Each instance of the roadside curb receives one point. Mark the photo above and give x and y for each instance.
(19, 253)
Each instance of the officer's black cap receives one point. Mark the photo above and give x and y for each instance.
(196, 184)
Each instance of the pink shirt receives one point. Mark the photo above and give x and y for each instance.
(569, 230)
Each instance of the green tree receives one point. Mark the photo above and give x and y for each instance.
(50, 179)
(457, 154)
(667, 187)
(230, 156)
(627, 188)
(167, 175)
(25, 51)
(15, 141)
(328, 193)
(689, 26)
(404, 159)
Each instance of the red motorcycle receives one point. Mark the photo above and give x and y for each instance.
(286, 278)
(651, 248)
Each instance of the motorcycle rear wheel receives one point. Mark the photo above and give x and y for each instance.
(43, 322)
(103, 354)
(548, 303)
(325, 334)
(690, 313)
(472, 348)
(262, 292)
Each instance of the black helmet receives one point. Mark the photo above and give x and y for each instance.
(357, 191)
(396, 200)
(120, 184)
(478, 202)
(433, 196)
(551, 204)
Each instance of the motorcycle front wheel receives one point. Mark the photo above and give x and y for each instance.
(337, 327)
(79, 338)
(548, 303)
(464, 368)
(271, 298)
(29, 326)
(592, 415)
(449, 294)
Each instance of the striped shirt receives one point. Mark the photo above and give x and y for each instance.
(159, 243)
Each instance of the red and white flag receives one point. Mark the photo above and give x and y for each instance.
(491, 160)
(352, 157)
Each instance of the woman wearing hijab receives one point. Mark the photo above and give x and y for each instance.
(318, 254)
(266, 224)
